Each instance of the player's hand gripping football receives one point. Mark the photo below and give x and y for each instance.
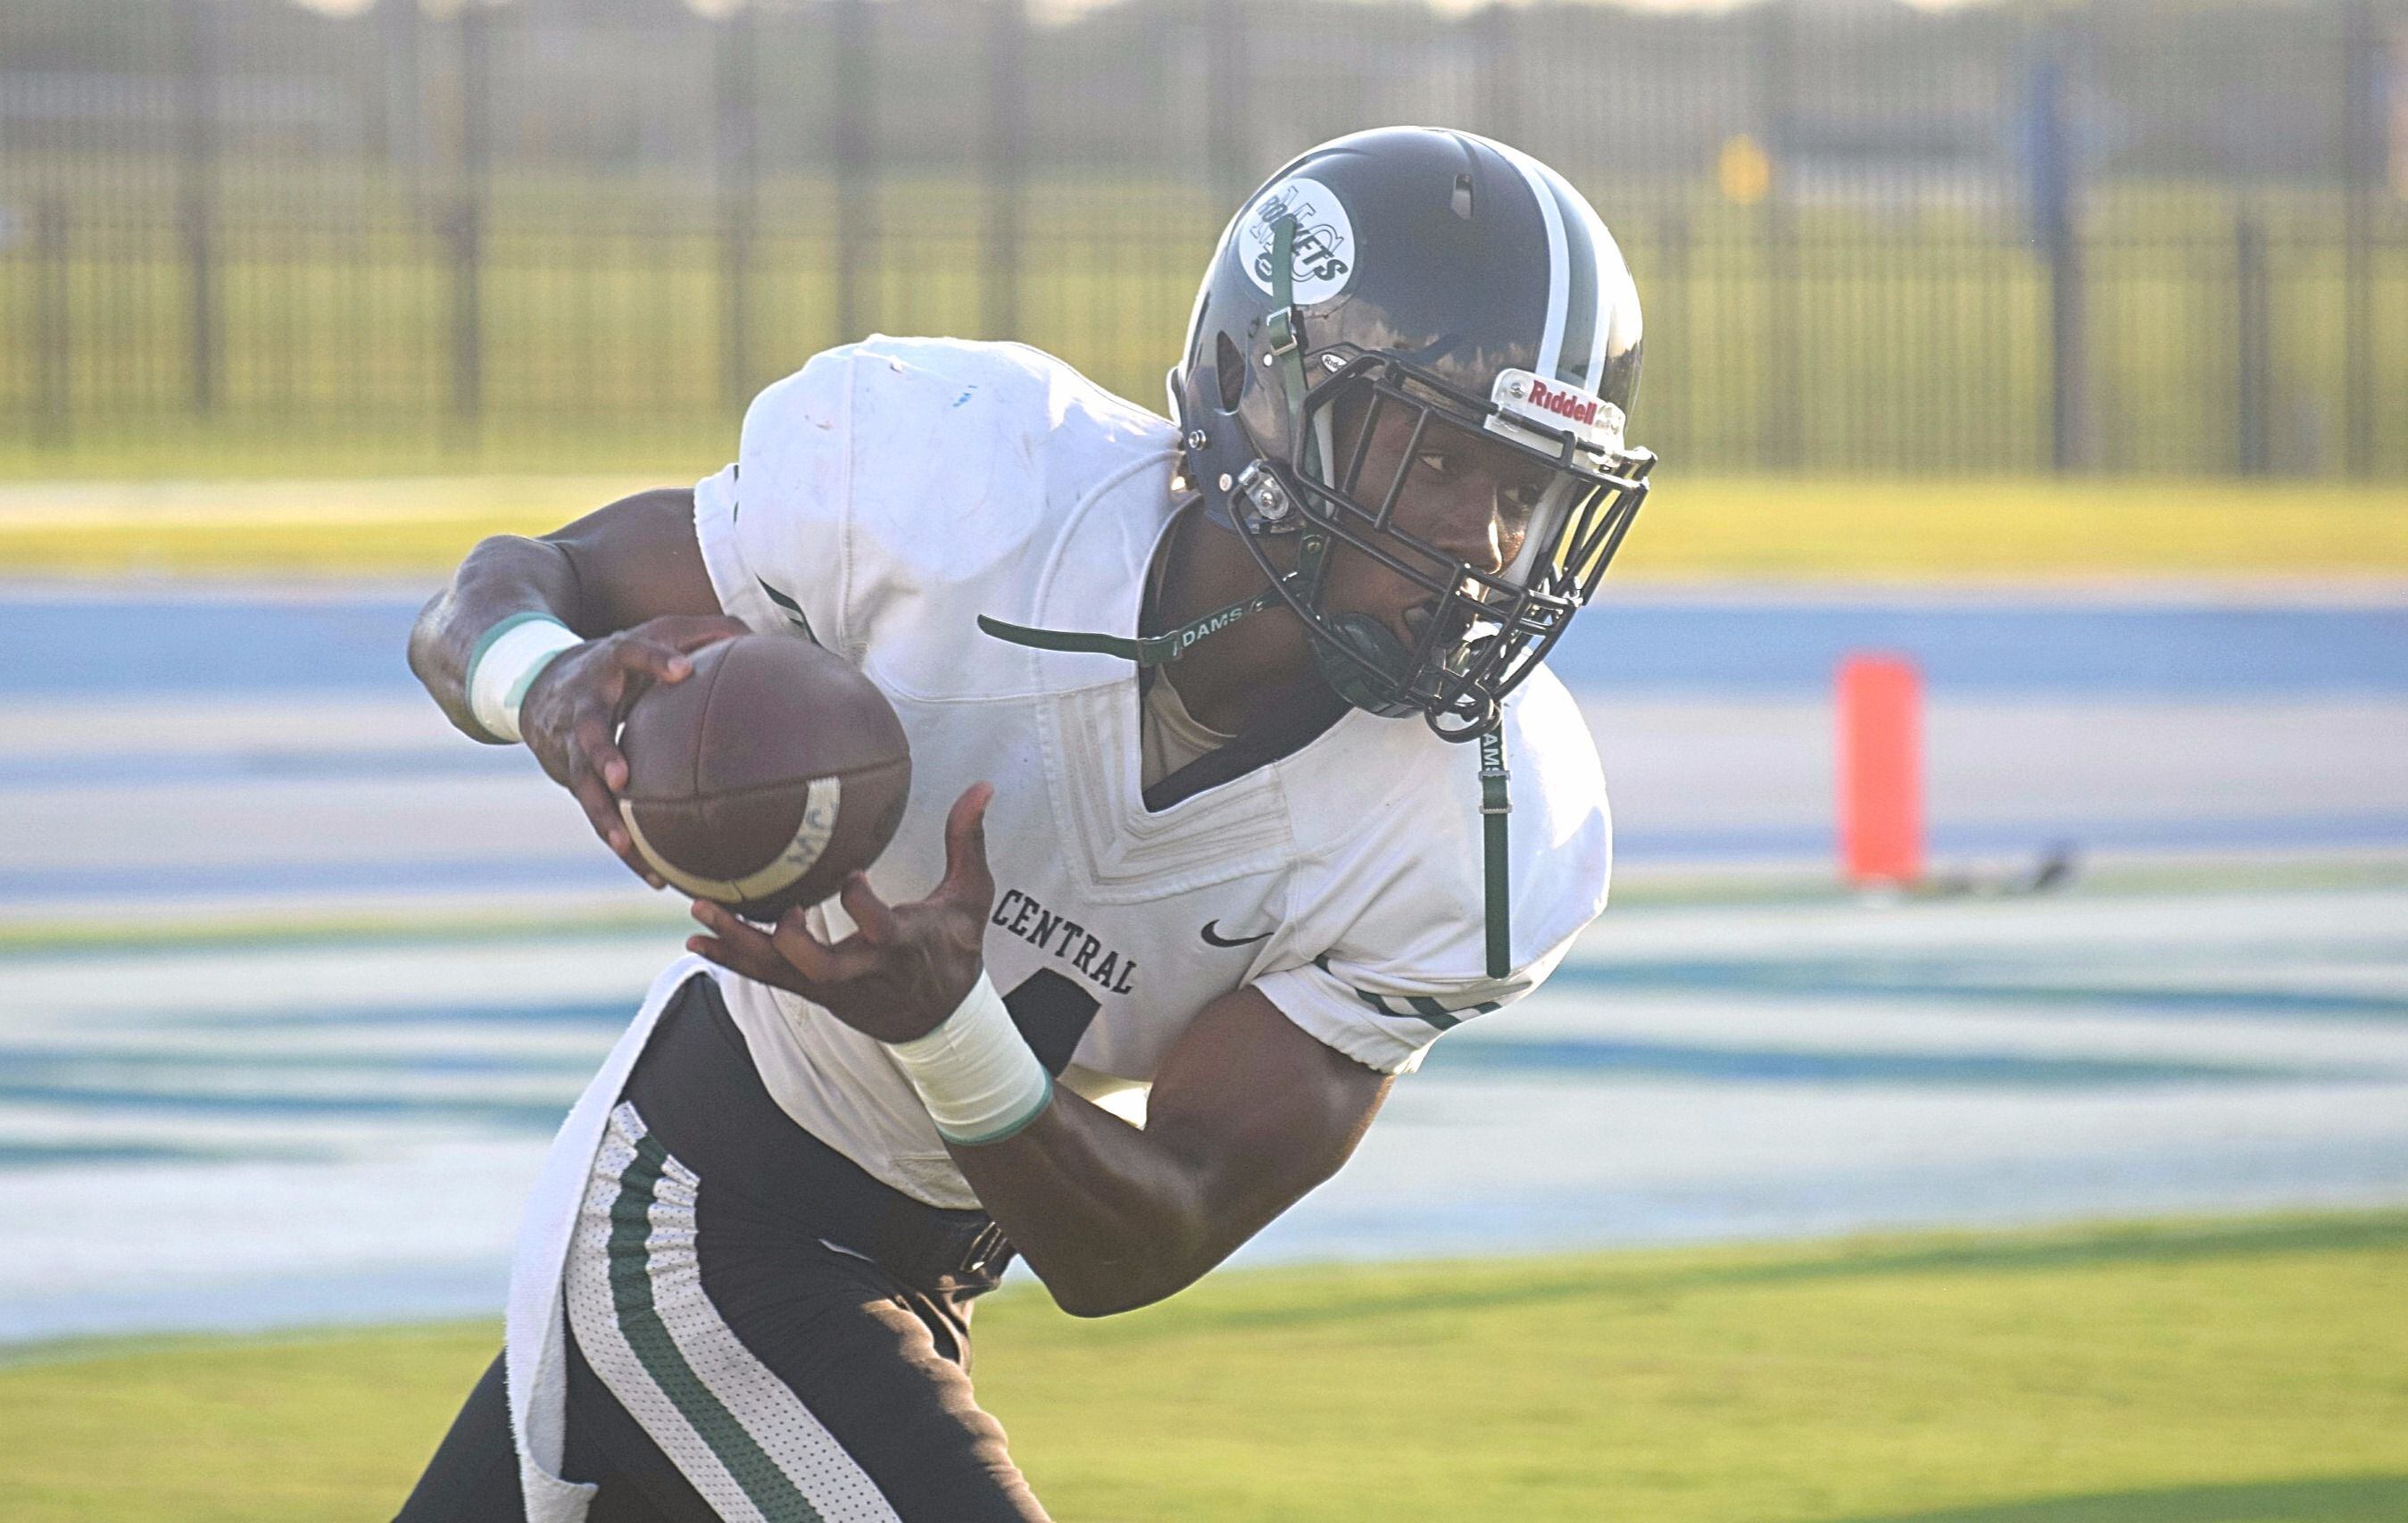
(905, 967)
(572, 714)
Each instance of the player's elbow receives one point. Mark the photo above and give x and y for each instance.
(1085, 1305)
(1111, 1299)
(1107, 1286)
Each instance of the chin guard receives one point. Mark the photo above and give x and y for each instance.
(1371, 644)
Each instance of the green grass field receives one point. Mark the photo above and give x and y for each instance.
(1714, 527)
(2220, 1373)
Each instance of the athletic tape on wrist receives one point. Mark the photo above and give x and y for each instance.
(975, 1073)
(505, 663)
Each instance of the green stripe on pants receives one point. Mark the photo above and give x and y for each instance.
(764, 1483)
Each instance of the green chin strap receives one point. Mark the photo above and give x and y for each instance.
(1494, 804)
(1145, 649)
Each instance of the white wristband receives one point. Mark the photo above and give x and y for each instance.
(976, 1075)
(504, 665)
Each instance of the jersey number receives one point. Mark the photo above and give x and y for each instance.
(1052, 1014)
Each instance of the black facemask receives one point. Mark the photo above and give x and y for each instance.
(1562, 513)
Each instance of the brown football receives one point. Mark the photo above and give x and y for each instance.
(765, 778)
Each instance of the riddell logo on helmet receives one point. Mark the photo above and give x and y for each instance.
(1552, 405)
(1563, 404)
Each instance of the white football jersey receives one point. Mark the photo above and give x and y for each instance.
(894, 490)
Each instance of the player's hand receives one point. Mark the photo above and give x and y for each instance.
(571, 714)
(906, 966)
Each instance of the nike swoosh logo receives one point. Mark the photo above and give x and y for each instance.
(1225, 940)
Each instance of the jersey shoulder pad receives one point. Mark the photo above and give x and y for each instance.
(896, 482)
(1396, 899)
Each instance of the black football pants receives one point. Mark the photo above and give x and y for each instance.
(724, 1362)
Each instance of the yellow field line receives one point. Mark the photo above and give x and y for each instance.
(1721, 528)
(413, 526)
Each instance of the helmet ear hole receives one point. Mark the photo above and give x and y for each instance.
(1229, 370)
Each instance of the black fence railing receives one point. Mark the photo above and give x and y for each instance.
(237, 235)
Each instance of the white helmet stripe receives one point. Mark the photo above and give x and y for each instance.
(1604, 301)
(1551, 341)
(1584, 327)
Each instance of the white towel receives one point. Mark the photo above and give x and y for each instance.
(536, 1348)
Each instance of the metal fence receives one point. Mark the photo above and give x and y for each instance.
(236, 234)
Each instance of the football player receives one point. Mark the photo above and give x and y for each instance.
(1208, 874)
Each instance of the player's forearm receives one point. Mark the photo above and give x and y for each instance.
(503, 576)
(1111, 1217)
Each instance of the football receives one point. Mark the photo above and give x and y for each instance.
(767, 777)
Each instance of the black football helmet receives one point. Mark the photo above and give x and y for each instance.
(1469, 286)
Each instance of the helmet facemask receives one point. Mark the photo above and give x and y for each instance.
(1563, 500)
